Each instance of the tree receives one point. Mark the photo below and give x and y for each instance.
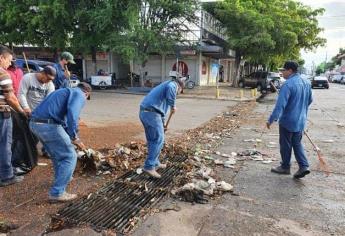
(267, 32)
(40, 23)
(320, 68)
(335, 60)
(147, 26)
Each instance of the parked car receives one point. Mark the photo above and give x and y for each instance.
(34, 65)
(337, 78)
(320, 82)
(261, 80)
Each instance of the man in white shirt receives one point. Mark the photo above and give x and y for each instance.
(35, 87)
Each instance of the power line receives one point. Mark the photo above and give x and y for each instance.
(335, 16)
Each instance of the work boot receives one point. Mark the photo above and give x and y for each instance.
(65, 197)
(153, 173)
(301, 173)
(161, 166)
(15, 179)
(19, 171)
(280, 170)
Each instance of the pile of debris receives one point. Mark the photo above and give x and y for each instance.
(200, 182)
(198, 144)
(123, 157)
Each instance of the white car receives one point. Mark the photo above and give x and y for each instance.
(337, 78)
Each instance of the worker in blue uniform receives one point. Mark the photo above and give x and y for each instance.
(153, 110)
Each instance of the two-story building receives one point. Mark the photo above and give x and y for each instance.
(199, 57)
(202, 57)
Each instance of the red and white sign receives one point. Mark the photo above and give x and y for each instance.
(182, 68)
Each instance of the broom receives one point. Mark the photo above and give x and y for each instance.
(322, 163)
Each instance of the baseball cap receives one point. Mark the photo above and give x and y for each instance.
(68, 56)
(86, 88)
(290, 65)
(49, 70)
(181, 82)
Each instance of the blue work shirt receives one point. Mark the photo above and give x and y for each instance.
(161, 98)
(64, 107)
(60, 81)
(291, 108)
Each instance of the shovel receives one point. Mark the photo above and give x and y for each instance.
(323, 165)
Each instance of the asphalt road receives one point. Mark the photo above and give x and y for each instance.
(269, 204)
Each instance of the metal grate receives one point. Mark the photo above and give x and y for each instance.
(119, 202)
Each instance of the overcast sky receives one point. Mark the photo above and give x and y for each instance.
(333, 22)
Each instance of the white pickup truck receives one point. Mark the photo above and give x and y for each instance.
(101, 81)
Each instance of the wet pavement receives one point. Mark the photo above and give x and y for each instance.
(269, 204)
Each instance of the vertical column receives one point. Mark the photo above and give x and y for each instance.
(163, 67)
(84, 69)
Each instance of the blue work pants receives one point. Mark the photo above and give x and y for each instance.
(61, 151)
(288, 141)
(6, 169)
(154, 131)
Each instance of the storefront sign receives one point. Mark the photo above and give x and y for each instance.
(182, 68)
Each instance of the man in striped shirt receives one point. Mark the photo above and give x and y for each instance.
(8, 101)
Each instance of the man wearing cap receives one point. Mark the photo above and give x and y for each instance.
(153, 110)
(291, 111)
(55, 123)
(8, 101)
(62, 74)
(35, 87)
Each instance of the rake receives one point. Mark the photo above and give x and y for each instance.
(322, 163)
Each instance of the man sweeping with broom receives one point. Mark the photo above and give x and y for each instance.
(291, 110)
(153, 110)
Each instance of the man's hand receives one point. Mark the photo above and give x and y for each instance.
(79, 144)
(268, 125)
(27, 111)
(173, 110)
(67, 74)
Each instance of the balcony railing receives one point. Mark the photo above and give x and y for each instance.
(212, 25)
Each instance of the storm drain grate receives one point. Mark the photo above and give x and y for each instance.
(118, 203)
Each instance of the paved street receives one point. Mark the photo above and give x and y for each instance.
(109, 108)
(263, 203)
(269, 204)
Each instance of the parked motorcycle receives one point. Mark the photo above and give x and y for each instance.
(189, 83)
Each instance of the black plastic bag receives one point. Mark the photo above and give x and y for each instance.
(24, 151)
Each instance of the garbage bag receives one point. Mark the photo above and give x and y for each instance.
(24, 151)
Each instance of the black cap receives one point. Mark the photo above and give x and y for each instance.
(85, 87)
(49, 70)
(290, 65)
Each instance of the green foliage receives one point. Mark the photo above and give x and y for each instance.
(143, 27)
(336, 60)
(36, 22)
(320, 69)
(269, 31)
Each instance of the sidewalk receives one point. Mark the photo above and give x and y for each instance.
(226, 92)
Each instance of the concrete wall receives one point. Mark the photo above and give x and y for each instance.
(109, 62)
(199, 68)
(158, 67)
